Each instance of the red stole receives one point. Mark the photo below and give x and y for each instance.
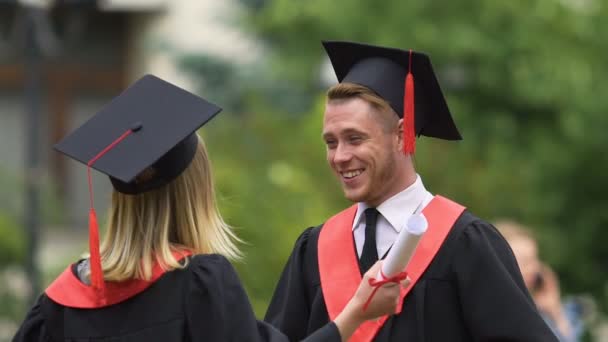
(339, 268)
(69, 291)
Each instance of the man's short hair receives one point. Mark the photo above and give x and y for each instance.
(345, 91)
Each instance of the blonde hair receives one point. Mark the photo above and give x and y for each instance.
(345, 91)
(512, 230)
(182, 215)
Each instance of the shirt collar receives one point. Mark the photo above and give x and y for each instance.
(398, 208)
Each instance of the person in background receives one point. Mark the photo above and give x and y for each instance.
(562, 316)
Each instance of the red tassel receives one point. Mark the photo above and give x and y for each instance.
(409, 128)
(95, 260)
(97, 280)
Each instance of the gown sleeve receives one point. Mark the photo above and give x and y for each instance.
(495, 302)
(218, 308)
(33, 328)
(290, 309)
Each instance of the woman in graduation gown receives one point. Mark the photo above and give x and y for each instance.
(161, 273)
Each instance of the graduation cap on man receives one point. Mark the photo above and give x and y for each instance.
(142, 139)
(405, 79)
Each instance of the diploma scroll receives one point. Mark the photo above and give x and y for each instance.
(404, 247)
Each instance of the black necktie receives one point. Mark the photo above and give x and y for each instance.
(370, 254)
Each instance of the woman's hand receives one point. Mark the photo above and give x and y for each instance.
(384, 302)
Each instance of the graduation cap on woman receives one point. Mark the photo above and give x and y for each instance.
(405, 79)
(143, 139)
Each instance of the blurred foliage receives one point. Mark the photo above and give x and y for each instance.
(247, 85)
(14, 286)
(12, 241)
(12, 253)
(525, 83)
(12, 197)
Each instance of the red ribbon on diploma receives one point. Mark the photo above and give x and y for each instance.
(375, 283)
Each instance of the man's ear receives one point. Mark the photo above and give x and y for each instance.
(400, 135)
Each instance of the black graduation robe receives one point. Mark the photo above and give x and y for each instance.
(203, 302)
(471, 291)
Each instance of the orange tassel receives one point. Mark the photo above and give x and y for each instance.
(409, 128)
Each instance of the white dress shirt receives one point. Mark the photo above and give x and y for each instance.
(394, 213)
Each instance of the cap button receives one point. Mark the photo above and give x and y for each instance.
(136, 126)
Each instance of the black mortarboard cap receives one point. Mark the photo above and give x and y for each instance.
(384, 71)
(162, 119)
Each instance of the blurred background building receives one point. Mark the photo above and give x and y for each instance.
(525, 82)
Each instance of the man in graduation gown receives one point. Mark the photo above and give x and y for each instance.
(467, 286)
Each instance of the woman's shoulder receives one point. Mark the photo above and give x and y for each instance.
(210, 268)
(211, 278)
(208, 261)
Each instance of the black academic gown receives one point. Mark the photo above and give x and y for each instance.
(204, 302)
(471, 291)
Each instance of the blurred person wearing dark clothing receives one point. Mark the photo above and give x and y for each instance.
(161, 273)
(467, 286)
(562, 316)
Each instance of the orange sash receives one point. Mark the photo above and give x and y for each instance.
(339, 268)
(69, 291)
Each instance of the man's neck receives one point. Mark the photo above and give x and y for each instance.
(405, 181)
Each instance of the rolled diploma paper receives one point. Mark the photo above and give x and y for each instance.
(403, 249)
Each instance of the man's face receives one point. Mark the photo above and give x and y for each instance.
(360, 151)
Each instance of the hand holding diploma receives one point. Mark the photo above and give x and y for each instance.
(393, 267)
